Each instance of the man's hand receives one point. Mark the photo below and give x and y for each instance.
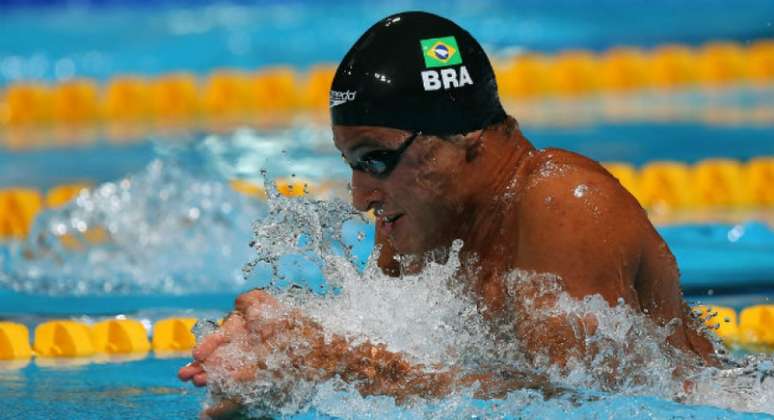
(233, 329)
(261, 327)
(237, 352)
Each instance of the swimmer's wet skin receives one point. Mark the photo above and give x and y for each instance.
(416, 114)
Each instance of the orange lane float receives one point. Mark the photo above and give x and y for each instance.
(756, 326)
(721, 63)
(760, 59)
(127, 99)
(523, 76)
(718, 183)
(173, 334)
(75, 102)
(174, 97)
(759, 181)
(14, 341)
(62, 194)
(573, 73)
(274, 89)
(26, 104)
(623, 69)
(226, 94)
(671, 66)
(18, 209)
(663, 185)
(722, 320)
(626, 175)
(182, 98)
(63, 338)
(120, 336)
(318, 83)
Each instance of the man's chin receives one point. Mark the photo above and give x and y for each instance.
(400, 239)
(402, 246)
(413, 258)
(408, 247)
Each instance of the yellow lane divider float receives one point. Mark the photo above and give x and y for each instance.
(20, 206)
(71, 339)
(231, 93)
(18, 209)
(713, 183)
(14, 341)
(63, 338)
(174, 334)
(709, 184)
(752, 330)
(62, 194)
(118, 336)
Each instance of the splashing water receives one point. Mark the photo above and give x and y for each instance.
(309, 230)
(167, 230)
(164, 230)
(430, 319)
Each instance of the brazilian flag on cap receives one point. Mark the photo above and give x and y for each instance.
(440, 52)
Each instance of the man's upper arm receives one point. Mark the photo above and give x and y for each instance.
(578, 222)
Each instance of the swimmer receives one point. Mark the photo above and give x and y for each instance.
(416, 115)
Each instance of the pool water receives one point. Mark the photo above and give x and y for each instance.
(52, 43)
(148, 386)
(182, 195)
(180, 234)
(148, 389)
(142, 389)
(312, 156)
(173, 275)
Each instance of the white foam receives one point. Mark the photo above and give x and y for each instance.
(167, 231)
(431, 320)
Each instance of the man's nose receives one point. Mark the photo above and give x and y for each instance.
(366, 191)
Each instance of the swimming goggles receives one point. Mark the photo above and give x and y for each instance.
(380, 163)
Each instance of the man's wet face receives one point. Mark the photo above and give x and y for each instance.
(418, 204)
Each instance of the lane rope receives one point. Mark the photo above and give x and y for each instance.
(228, 93)
(659, 186)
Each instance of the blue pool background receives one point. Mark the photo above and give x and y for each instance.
(51, 40)
(632, 142)
(57, 40)
(147, 389)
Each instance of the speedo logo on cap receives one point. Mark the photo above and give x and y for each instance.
(443, 52)
(337, 97)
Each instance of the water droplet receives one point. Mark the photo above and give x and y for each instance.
(736, 233)
(580, 190)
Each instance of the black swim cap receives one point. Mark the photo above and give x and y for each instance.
(418, 72)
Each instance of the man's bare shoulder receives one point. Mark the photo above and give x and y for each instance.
(561, 179)
(576, 220)
(569, 201)
(566, 157)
